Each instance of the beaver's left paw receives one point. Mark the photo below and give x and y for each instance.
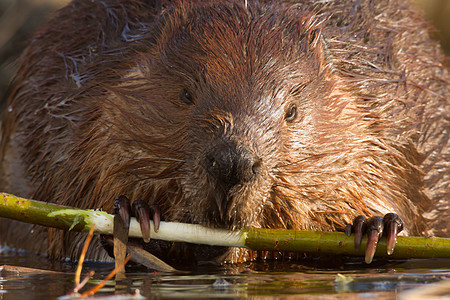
(375, 227)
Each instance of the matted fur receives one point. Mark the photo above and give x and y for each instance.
(96, 113)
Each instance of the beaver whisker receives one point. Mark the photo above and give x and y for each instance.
(137, 164)
(280, 195)
(151, 158)
(143, 142)
(155, 180)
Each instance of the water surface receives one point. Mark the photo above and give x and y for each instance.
(305, 280)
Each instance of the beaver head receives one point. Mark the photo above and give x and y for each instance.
(240, 115)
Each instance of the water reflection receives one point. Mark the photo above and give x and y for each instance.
(254, 281)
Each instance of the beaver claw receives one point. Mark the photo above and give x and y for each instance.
(143, 213)
(122, 208)
(390, 226)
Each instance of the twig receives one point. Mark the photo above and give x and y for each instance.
(82, 255)
(67, 218)
(110, 275)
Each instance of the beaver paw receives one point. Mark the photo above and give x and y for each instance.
(375, 227)
(143, 213)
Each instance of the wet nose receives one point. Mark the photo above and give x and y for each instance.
(232, 165)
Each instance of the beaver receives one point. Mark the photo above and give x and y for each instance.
(275, 114)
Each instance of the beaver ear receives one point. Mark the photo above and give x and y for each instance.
(315, 38)
(186, 97)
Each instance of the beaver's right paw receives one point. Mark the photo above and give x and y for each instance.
(390, 226)
(143, 213)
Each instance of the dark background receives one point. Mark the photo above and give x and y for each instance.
(20, 18)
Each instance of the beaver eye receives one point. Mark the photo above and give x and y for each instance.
(186, 97)
(291, 113)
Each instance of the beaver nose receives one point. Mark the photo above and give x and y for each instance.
(231, 165)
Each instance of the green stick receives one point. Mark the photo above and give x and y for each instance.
(66, 218)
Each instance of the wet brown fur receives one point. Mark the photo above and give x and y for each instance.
(96, 112)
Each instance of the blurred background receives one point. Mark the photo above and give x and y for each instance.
(20, 18)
